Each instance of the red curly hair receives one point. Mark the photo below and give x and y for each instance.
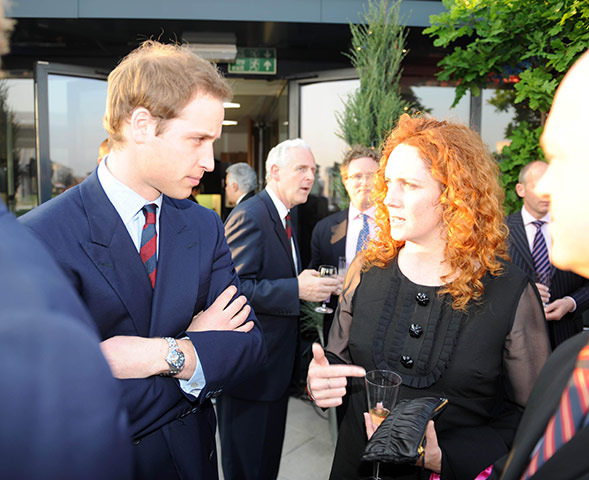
(471, 203)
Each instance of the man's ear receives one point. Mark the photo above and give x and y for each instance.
(520, 189)
(142, 125)
(275, 172)
(234, 186)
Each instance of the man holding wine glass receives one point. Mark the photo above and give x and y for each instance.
(266, 256)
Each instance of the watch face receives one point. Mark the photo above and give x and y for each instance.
(175, 357)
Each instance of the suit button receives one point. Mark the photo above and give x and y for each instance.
(407, 361)
(194, 410)
(137, 442)
(211, 455)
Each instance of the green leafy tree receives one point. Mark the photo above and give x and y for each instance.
(525, 46)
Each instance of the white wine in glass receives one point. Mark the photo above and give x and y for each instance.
(382, 389)
(326, 271)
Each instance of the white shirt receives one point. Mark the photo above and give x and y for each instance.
(282, 212)
(354, 227)
(531, 228)
(129, 205)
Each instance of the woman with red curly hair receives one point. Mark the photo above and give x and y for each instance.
(434, 299)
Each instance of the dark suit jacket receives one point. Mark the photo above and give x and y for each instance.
(247, 196)
(571, 460)
(561, 284)
(328, 243)
(62, 415)
(263, 259)
(90, 242)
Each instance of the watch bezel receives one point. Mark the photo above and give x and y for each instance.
(175, 357)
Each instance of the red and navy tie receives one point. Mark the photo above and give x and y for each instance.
(288, 226)
(149, 242)
(570, 416)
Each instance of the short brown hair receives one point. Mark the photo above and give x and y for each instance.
(357, 151)
(163, 78)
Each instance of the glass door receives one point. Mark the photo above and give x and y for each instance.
(69, 104)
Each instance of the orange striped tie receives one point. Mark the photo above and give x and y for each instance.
(570, 416)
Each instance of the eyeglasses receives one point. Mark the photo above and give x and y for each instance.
(357, 177)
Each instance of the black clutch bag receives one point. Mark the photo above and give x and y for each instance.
(400, 438)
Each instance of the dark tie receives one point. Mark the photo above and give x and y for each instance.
(149, 242)
(540, 255)
(288, 226)
(363, 236)
(570, 416)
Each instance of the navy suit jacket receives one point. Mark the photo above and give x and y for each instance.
(328, 243)
(562, 283)
(570, 462)
(90, 242)
(62, 415)
(263, 259)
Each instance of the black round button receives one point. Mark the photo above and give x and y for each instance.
(415, 330)
(407, 361)
(422, 299)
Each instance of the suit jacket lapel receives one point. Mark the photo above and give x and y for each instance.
(112, 251)
(177, 282)
(279, 228)
(520, 241)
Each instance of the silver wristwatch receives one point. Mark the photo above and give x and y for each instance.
(175, 357)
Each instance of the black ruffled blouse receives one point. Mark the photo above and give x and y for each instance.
(485, 361)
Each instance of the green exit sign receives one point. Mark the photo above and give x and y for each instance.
(258, 61)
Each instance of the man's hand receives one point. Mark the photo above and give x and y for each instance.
(327, 383)
(559, 308)
(544, 293)
(315, 288)
(224, 314)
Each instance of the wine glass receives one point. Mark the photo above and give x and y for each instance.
(382, 389)
(326, 271)
(342, 267)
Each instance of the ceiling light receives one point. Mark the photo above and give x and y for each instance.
(214, 46)
(229, 123)
(231, 105)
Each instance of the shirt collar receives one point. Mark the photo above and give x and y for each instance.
(354, 213)
(282, 210)
(528, 218)
(127, 202)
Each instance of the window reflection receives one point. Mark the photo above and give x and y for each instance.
(18, 172)
(76, 109)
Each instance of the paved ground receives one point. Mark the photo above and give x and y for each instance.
(308, 446)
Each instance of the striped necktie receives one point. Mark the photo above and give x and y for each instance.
(540, 255)
(363, 236)
(570, 416)
(149, 242)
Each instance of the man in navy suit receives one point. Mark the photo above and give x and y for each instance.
(565, 143)
(338, 235)
(565, 294)
(266, 255)
(154, 268)
(62, 415)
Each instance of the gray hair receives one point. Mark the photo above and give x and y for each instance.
(280, 156)
(244, 175)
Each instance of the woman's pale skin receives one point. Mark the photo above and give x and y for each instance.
(414, 211)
